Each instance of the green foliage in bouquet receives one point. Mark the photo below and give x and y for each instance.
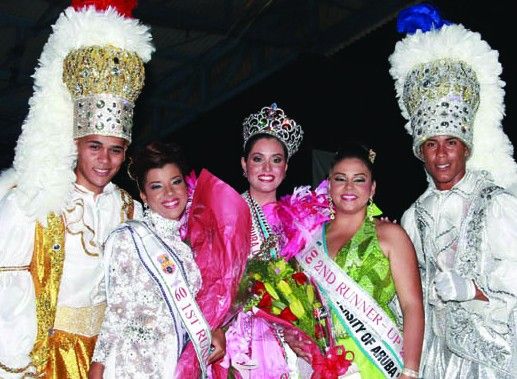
(277, 288)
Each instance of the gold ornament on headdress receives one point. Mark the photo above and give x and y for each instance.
(371, 155)
(104, 82)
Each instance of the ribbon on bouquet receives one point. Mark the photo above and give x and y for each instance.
(325, 365)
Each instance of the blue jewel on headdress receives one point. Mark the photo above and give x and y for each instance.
(272, 110)
(167, 264)
(421, 16)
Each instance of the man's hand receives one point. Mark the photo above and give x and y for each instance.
(450, 286)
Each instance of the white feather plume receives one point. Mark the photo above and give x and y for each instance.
(45, 154)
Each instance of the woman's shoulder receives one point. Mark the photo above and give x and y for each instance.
(388, 228)
(391, 235)
(122, 232)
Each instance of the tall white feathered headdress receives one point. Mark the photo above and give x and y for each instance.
(447, 82)
(91, 68)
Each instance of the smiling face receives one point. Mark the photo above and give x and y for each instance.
(445, 159)
(165, 191)
(265, 168)
(350, 186)
(98, 160)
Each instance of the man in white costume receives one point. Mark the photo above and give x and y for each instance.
(58, 204)
(464, 226)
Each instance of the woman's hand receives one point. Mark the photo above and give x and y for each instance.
(96, 370)
(219, 345)
(297, 343)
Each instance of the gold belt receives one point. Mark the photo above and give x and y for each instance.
(14, 268)
(85, 321)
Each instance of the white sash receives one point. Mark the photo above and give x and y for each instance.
(260, 229)
(256, 241)
(363, 319)
(167, 271)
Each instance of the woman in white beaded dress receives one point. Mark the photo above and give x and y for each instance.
(152, 281)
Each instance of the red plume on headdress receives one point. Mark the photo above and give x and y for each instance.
(124, 7)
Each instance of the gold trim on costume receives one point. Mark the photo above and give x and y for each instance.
(13, 268)
(83, 227)
(85, 321)
(46, 269)
(128, 206)
(20, 370)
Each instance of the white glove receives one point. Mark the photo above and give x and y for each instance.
(451, 286)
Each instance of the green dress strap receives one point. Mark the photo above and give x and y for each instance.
(363, 260)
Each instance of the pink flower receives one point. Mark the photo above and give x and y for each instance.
(298, 216)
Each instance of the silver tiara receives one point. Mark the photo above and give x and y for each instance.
(273, 121)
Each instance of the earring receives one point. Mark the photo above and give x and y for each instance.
(372, 210)
(244, 173)
(146, 210)
(332, 209)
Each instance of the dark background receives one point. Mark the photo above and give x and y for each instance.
(347, 96)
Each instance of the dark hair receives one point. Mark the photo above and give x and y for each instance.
(253, 139)
(354, 150)
(155, 155)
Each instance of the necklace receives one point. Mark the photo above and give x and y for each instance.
(269, 240)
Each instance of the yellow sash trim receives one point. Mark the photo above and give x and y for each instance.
(85, 321)
(46, 268)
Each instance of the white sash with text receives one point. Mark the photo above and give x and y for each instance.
(163, 266)
(363, 319)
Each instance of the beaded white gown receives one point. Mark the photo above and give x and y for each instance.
(139, 336)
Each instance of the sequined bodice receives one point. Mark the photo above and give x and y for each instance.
(169, 231)
(363, 260)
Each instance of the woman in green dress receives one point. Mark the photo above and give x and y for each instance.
(365, 268)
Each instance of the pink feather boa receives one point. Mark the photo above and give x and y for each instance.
(299, 215)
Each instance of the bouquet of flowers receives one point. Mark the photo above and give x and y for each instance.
(283, 295)
(277, 289)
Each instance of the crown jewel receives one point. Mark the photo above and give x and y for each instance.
(104, 82)
(273, 121)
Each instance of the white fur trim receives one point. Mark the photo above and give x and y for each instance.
(46, 153)
(8, 180)
(492, 149)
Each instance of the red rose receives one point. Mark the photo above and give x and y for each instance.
(266, 301)
(258, 288)
(300, 278)
(318, 331)
(287, 315)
